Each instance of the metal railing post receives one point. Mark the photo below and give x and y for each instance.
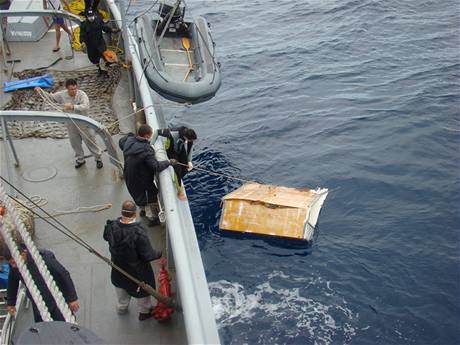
(6, 136)
(29, 115)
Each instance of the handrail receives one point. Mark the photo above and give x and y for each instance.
(10, 321)
(200, 323)
(40, 13)
(31, 13)
(30, 115)
(215, 64)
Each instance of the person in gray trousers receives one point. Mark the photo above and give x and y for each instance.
(74, 100)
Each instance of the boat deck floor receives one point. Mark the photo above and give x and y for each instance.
(175, 58)
(66, 188)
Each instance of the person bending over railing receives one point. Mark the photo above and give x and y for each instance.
(179, 146)
(139, 171)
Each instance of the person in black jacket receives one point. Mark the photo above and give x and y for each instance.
(139, 171)
(91, 34)
(132, 251)
(91, 4)
(61, 277)
(179, 146)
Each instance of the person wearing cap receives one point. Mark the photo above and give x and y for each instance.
(132, 251)
(91, 4)
(91, 34)
(179, 145)
(139, 171)
(60, 275)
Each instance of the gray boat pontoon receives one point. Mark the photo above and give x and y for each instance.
(178, 55)
(44, 167)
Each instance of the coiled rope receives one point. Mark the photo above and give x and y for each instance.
(42, 268)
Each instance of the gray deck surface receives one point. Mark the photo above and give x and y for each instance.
(70, 189)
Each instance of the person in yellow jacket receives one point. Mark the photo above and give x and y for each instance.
(179, 146)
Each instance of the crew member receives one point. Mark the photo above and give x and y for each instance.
(179, 146)
(91, 4)
(91, 34)
(132, 251)
(60, 275)
(58, 21)
(4, 5)
(77, 101)
(139, 171)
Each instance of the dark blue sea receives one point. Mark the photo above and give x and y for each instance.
(361, 97)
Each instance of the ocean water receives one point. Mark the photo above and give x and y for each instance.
(361, 97)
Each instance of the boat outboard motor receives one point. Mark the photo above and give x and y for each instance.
(176, 25)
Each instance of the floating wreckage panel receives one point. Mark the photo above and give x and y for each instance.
(273, 210)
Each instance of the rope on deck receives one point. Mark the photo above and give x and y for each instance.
(34, 292)
(42, 268)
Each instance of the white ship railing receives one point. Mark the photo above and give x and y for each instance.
(7, 330)
(79, 120)
(200, 322)
(40, 13)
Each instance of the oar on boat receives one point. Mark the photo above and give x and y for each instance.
(186, 44)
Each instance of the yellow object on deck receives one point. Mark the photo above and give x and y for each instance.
(273, 210)
(76, 44)
(78, 7)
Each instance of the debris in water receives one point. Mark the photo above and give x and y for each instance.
(273, 210)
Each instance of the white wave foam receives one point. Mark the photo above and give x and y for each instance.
(285, 310)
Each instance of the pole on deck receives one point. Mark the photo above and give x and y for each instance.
(124, 32)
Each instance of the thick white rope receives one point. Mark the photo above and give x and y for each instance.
(38, 201)
(81, 209)
(34, 253)
(34, 292)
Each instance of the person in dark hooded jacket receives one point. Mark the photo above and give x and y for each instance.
(132, 251)
(61, 277)
(91, 34)
(91, 4)
(139, 171)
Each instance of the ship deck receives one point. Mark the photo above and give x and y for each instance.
(65, 189)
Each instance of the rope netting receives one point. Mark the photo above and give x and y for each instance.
(99, 89)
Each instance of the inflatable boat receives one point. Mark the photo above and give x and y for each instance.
(178, 55)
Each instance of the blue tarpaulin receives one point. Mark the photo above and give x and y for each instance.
(4, 271)
(44, 81)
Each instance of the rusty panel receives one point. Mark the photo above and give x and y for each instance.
(249, 216)
(276, 195)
